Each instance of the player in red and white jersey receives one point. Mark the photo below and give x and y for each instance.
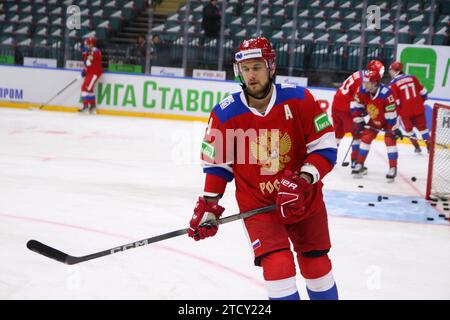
(410, 96)
(277, 144)
(375, 100)
(92, 58)
(340, 108)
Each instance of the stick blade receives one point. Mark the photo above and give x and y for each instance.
(345, 164)
(47, 251)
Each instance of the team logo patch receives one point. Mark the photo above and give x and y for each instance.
(226, 102)
(390, 107)
(256, 244)
(321, 122)
(208, 150)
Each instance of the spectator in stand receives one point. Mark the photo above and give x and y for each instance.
(211, 20)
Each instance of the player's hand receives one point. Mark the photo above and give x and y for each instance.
(83, 73)
(204, 212)
(291, 198)
(358, 127)
(398, 134)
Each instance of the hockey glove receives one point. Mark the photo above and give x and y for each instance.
(204, 212)
(291, 198)
(398, 134)
(358, 127)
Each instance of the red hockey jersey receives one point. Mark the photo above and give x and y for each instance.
(93, 62)
(380, 107)
(344, 95)
(254, 149)
(409, 95)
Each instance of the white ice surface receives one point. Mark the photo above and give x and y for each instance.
(88, 183)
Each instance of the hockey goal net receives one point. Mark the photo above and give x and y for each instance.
(438, 181)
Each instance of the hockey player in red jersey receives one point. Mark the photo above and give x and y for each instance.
(409, 95)
(340, 108)
(375, 100)
(278, 145)
(92, 58)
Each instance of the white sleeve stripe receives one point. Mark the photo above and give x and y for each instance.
(356, 105)
(328, 140)
(312, 170)
(210, 194)
(226, 166)
(390, 115)
(423, 92)
(358, 119)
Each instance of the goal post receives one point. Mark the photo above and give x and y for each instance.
(438, 180)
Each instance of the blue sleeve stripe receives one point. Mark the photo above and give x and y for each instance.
(221, 172)
(329, 153)
(391, 122)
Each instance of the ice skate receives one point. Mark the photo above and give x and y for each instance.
(359, 171)
(92, 110)
(85, 109)
(392, 173)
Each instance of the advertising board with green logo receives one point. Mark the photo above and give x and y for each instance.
(430, 64)
(6, 59)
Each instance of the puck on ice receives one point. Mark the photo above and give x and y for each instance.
(371, 204)
(441, 215)
(385, 198)
(446, 209)
(413, 179)
(433, 204)
(360, 186)
(445, 204)
(415, 201)
(430, 219)
(379, 198)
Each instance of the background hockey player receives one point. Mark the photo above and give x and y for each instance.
(340, 108)
(375, 100)
(410, 96)
(92, 58)
(289, 146)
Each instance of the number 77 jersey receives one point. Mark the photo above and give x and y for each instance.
(409, 94)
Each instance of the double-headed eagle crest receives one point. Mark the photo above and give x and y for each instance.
(270, 149)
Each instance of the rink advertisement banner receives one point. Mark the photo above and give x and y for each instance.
(209, 74)
(298, 81)
(128, 94)
(39, 62)
(117, 92)
(430, 64)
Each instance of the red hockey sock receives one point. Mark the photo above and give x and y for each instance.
(278, 265)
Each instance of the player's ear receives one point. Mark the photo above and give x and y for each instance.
(272, 71)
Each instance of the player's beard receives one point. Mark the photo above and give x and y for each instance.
(259, 90)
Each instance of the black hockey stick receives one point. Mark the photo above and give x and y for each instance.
(57, 255)
(346, 163)
(444, 146)
(60, 91)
